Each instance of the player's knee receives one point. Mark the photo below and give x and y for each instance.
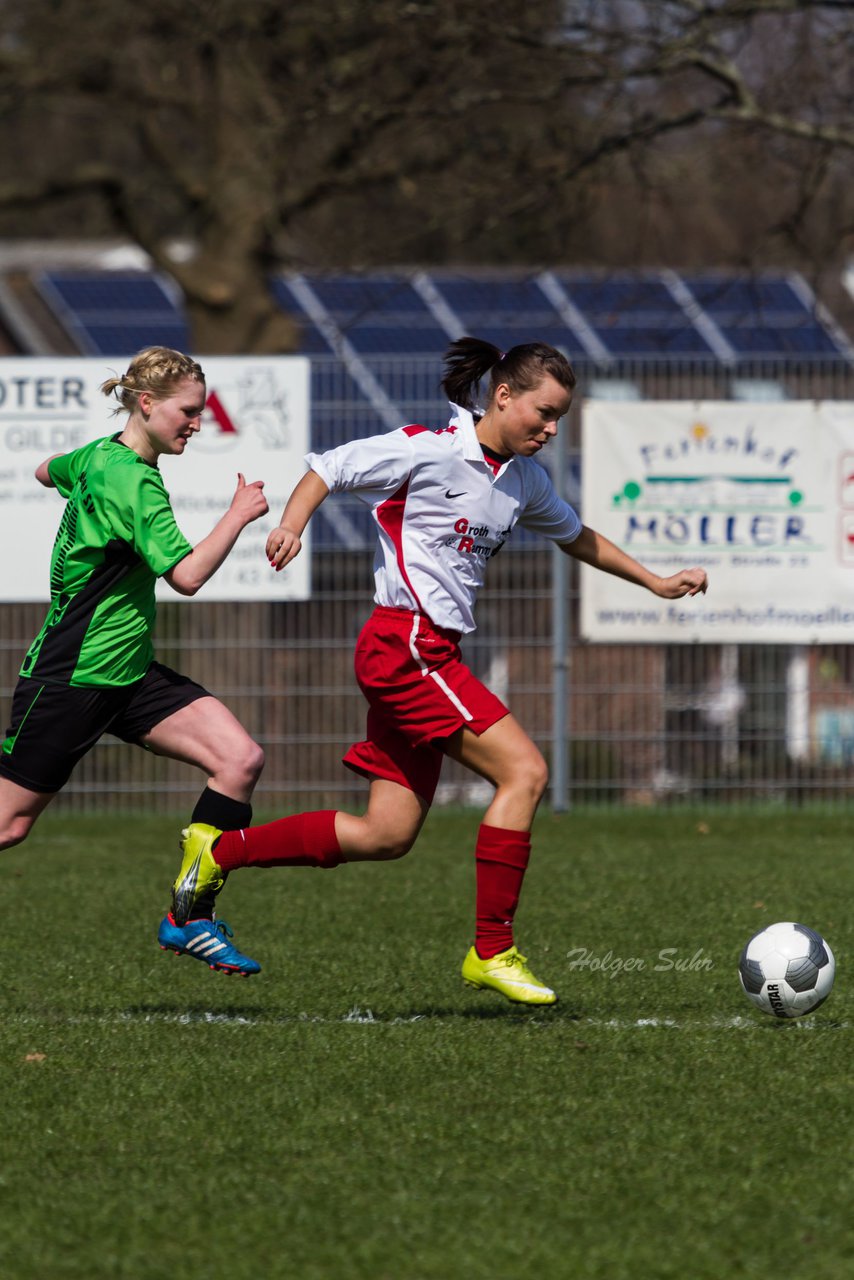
(246, 763)
(254, 760)
(15, 831)
(533, 775)
(389, 846)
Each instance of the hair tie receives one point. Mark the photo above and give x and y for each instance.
(501, 357)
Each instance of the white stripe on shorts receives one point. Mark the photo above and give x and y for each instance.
(434, 675)
(463, 710)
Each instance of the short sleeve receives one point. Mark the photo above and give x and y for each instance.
(66, 467)
(378, 464)
(141, 513)
(546, 513)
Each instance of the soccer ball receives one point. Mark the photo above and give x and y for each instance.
(787, 970)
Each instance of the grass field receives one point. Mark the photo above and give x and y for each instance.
(355, 1111)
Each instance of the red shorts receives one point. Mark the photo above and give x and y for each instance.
(419, 692)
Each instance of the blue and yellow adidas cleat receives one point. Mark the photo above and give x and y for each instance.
(206, 940)
(199, 872)
(508, 973)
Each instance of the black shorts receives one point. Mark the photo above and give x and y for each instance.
(54, 725)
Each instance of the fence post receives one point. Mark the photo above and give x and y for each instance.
(560, 641)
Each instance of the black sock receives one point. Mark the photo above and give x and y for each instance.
(217, 810)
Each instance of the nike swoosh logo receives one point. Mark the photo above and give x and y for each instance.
(461, 494)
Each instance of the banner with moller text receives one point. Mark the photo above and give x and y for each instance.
(760, 495)
(256, 421)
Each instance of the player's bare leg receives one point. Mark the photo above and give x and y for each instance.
(388, 828)
(206, 734)
(19, 809)
(506, 757)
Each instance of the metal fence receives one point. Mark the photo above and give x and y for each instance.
(644, 723)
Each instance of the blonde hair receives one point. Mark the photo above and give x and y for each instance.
(157, 370)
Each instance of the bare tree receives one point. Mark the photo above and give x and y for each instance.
(717, 131)
(231, 140)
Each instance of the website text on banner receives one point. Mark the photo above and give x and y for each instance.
(761, 495)
(256, 422)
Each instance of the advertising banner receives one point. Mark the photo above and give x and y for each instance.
(760, 495)
(256, 422)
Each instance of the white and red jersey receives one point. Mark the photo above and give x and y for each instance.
(442, 512)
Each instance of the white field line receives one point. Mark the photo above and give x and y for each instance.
(365, 1017)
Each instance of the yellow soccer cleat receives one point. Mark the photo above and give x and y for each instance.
(508, 973)
(199, 871)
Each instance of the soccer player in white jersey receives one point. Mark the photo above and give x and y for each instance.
(444, 502)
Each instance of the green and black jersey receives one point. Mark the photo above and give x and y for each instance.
(117, 536)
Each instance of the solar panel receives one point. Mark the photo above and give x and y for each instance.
(618, 295)
(119, 292)
(118, 339)
(377, 315)
(114, 313)
(635, 316)
(764, 316)
(790, 340)
(350, 297)
(650, 335)
(382, 314)
(479, 294)
(394, 339)
(506, 311)
(748, 296)
(311, 341)
(507, 332)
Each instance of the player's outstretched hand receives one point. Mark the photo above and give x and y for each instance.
(282, 546)
(687, 582)
(249, 501)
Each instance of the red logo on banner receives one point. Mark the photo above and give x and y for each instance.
(217, 411)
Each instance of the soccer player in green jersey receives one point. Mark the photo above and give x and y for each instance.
(91, 668)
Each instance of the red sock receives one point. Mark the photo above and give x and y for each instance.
(304, 840)
(501, 857)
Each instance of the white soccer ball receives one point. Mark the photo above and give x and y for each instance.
(787, 970)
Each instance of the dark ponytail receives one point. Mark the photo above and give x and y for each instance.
(468, 360)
